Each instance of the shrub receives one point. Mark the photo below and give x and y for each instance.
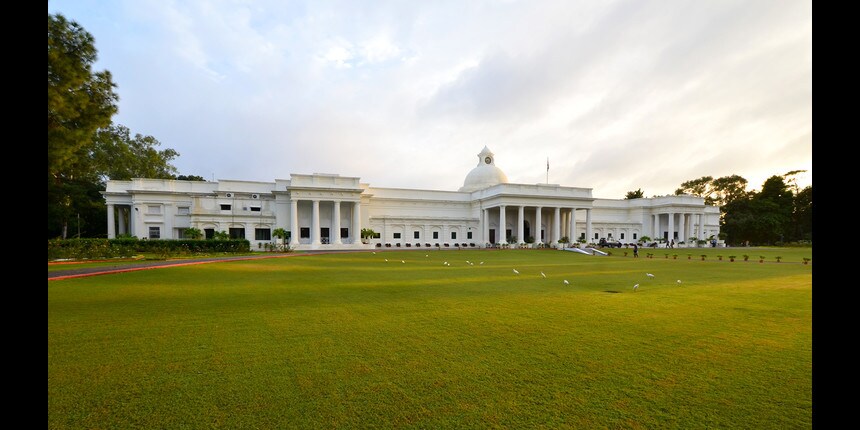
(674, 256)
(806, 260)
(746, 257)
(778, 259)
(761, 258)
(703, 257)
(128, 246)
(720, 257)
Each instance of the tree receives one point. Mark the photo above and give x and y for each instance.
(221, 235)
(193, 233)
(189, 177)
(638, 194)
(117, 155)
(79, 102)
(802, 216)
(281, 234)
(697, 187)
(84, 148)
(367, 233)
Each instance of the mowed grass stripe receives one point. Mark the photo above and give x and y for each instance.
(348, 340)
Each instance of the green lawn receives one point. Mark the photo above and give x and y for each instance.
(349, 340)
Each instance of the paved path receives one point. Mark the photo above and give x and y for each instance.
(121, 267)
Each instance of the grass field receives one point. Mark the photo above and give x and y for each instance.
(349, 340)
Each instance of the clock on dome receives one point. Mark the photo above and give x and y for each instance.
(488, 160)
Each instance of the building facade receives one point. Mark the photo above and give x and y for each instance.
(327, 211)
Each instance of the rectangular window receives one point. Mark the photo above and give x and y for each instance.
(255, 209)
(305, 233)
(582, 235)
(153, 210)
(344, 232)
(155, 232)
(622, 236)
(435, 235)
(453, 235)
(226, 207)
(507, 234)
(183, 210)
(237, 233)
(610, 235)
(468, 235)
(634, 236)
(180, 233)
(397, 235)
(377, 235)
(210, 233)
(262, 234)
(416, 235)
(595, 235)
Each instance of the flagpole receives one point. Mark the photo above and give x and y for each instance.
(547, 170)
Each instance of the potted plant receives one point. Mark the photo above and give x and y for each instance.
(674, 256)
(761, 258)
(703, 257)
(778, 259)
(746, 257)
(806, 260)
(720, 257)
(732, 258)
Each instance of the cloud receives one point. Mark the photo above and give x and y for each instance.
(620, 95)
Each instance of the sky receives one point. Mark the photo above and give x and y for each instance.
(614, 95)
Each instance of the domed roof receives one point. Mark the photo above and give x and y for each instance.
(485, 174)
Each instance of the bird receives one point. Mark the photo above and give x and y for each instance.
(482, 262)
(649, 275)
(445, 263)
(566, 283)
(679, 282)
(471, 264)
(635, 287)
(515, 271)
(426, 255)
(386, 260)
(403, 261)
(541, 273)
(468, 262)
(374, 252)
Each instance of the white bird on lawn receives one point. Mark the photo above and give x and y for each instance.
(374, 252)
(649, 275)
(403, 261)
(679, 282)
(468, 262)
(482, 262)
(541, 273)
(426, 255)
(445, 263)
(386, 260)
(515, 271)
(566, 283)
(635, 287)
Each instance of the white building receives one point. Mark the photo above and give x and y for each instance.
(326, 211)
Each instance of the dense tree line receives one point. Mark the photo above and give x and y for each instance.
(85, 148)
(779, 213)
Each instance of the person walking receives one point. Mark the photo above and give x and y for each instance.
(635, 251)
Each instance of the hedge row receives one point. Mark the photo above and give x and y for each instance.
(126, 247)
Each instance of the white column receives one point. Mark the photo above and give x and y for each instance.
(681, 225)
(111, 233)
(121, 219)
(655, 232)
(486, 229)
(294, 222)
(572, 227)
(336, 223)
(521, 219)
(556, 224)
(671, 226)
(588, 230)
(502, 236)
(315, 223)
(701, 227)
(356, 222)
(444, 234)
(538, 238)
